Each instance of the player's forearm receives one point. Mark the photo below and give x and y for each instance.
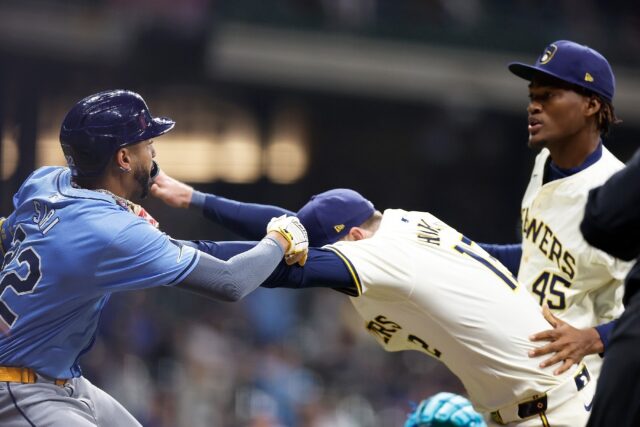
(245, 219)
(235, 278)
(612, 216)
(323, 269)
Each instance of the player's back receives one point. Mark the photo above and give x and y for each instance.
(426, 287)
(50, 300)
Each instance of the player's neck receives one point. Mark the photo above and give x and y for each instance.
(573, 152)
(104, 183)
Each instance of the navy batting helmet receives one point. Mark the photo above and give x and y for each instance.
(96, 127)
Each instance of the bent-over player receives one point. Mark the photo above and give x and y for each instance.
(421, 285)
(73, 239)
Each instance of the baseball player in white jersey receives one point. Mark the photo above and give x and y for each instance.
(570, 110)
(421, 285)
(581, 284)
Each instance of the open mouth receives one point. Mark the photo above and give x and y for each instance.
(155, 170)
(534, 125)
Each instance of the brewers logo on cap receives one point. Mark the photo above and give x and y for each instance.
(548, 54)
(572, 63)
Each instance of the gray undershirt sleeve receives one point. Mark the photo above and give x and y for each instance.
(232, 280)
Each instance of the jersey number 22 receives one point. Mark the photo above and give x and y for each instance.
(21, 284)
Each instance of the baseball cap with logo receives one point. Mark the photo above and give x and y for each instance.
(573, 63)
(330, 215)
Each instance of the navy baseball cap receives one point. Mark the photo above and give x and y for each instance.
(330, 215)
(573, 63)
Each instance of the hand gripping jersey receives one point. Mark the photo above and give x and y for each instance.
(423, 286)
(581, 284)
(69, 249)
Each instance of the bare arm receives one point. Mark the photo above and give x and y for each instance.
(245, 219)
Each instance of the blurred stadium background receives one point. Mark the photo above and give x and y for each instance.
(406, 101)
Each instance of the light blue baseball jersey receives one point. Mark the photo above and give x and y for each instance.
(68, 249)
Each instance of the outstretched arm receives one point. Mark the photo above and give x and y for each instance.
(233, 278)
(323, 269)
(245, 219)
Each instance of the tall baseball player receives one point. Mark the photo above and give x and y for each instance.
(421, 285)
(571, 92)
(75, 238)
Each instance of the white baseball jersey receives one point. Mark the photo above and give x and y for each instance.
(424, 286)
(581, 284)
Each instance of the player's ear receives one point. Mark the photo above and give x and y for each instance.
(357, 233)
(123, 159)
(593, 105)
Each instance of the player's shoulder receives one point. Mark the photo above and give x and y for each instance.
(404, 218)
(41, 180)
(610, 161)
(600, 171)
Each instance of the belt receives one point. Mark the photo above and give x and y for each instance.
(538, 404)
(15, 374)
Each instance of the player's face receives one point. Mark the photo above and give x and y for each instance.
(144, 154)
(556, 114)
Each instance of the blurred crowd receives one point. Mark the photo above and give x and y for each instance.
(279, 358)
(495, 24)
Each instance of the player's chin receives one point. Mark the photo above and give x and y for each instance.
(144, 183)
(536, 143)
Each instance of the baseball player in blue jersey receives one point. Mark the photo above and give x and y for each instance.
(420, 285)
(74, 238)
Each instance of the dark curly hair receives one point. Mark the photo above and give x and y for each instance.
(606, 117)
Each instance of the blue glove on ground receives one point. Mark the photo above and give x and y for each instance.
(445, 410)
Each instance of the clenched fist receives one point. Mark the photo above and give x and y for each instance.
(295, 234)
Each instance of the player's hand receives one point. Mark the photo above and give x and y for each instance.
(569, 344)
(295, 234)
(299, 258)
(171, 191)
(445, 410)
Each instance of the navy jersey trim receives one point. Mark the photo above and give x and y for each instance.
(15, 404)
(352, 271)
